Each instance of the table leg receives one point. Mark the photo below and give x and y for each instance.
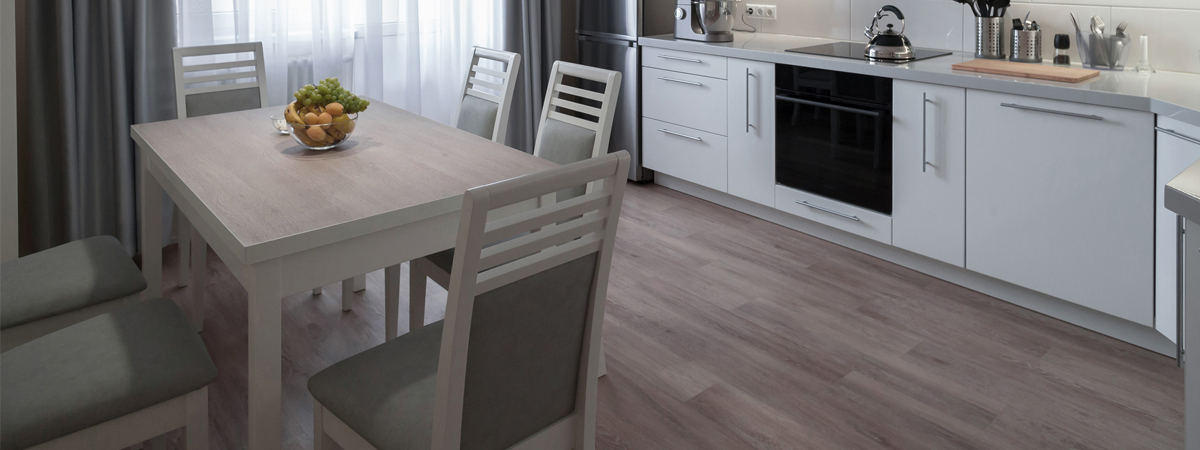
(416, 293)
(265, 355)
(391, 302)
(199, 265)
(151, 234)
(347, 294)
(183, 230)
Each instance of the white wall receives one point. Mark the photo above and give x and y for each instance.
(1171, 24)
(8, 130)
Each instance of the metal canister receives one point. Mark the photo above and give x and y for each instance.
(1026, 46)
(989, 37)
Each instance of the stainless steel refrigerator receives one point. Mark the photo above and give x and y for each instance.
(607, 32)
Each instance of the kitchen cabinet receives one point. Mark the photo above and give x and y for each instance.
(848, 218)
(929, 138)
(751, 127)
(685, 153)
(1178, 148)
(1059, 200)
(685, 99)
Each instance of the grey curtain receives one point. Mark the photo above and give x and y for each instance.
(532, 28)
(93, 68)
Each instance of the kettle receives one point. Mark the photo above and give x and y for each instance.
(889, 44)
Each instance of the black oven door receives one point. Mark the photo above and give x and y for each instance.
(839, 149)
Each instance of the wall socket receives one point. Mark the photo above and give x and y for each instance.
(761, 11)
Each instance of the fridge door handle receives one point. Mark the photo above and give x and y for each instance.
(623, 41)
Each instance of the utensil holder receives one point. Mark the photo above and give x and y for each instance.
(1026, 46)
(989, 37)
(1102, 52)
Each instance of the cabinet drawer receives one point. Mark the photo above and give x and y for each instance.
(685, 153)
(852, 219)
(704, 65)
(685, 100)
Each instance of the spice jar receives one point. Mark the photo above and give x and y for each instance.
(1062, 42)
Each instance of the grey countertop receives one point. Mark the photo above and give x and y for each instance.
(1183, 194)
(1169, 94)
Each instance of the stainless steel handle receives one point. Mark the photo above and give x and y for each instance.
(672, 133)
(830, 211)
(848, 109)
(1051, 111)
(676, 58)
(693, 83)
(1180, 250)
(924, 131)
(748, 99)
(1178, 135)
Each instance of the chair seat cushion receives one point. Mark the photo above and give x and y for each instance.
(385, 394)
(97, 370)
(66, 278)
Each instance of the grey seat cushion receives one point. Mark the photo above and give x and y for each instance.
(478, 116)
(223, 101)
(97, 370)
(66, 278)
(385, 394)
(522, 368)
(564, 143)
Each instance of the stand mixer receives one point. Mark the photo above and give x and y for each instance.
(705, 20)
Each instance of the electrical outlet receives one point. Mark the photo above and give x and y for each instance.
(761, 11)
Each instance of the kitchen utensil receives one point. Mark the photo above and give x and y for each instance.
(1026, 21)
(970, 3)
(989, 37)
(1097, 25)
(1035, 71)
(889, 44)
(1101, 51)
(1075, 23)
(1121, 28)
(705, 20)
(1017, 25)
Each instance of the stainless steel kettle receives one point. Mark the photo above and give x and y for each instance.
(889, 44)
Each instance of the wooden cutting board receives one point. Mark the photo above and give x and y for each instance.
(1026, 70)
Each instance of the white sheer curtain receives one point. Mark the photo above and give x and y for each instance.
(408, 53)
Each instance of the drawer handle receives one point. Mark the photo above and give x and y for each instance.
(830, 211)
(672, 133)
(1051, 111)
(693, 83)
(676, 58)
(1178, 135)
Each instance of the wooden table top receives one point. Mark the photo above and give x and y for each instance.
(274, 197)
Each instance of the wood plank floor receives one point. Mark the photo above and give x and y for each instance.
(724, 331)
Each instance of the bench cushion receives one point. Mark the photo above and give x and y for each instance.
(97, 370)
(385, 394)
(66, 278)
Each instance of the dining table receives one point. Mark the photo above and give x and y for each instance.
(285, 219)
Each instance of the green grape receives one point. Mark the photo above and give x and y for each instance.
(307, 101)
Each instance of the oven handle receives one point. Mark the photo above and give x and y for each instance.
(830, 211)
(865, 112)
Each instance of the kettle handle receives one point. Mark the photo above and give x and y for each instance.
(893, 10)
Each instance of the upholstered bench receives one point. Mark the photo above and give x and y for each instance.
(64, 285)
(108, 382)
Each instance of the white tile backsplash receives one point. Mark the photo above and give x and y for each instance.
(947, 25)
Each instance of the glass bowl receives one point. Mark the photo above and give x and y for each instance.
(330, 134)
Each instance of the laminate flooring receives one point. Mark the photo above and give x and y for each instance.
(724, 331)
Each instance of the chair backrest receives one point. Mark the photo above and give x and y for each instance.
(529, 310)
(576, 123)
(487, 94)
(222, 92)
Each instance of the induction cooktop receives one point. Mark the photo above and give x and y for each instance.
(855, 50)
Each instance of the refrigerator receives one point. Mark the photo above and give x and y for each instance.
(606, 32)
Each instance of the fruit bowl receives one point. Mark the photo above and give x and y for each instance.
(323, 116)
(328, 136)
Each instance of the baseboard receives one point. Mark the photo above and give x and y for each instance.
(1115, 327)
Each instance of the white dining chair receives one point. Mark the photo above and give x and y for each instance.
(483, 110)
(515, 363)
(233, 84)
(576, 124)
(486, 96)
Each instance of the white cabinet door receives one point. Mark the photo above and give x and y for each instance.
(752, 130)
(1060, 200)
(1176, 152)
(686, 100)
(929, 138)
(682, 152)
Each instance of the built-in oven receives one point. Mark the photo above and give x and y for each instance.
(833, 135)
